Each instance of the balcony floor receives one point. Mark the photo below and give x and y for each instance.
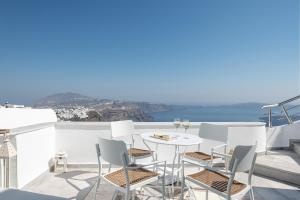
(78, 183)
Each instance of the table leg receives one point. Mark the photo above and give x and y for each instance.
(178, 166)
(179, 161)
(156, 149)
(173, 168)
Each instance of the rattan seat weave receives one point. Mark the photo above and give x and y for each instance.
(135, 176)
(217, 181)
(198, 155)
(134, 152)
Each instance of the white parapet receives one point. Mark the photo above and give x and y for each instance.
(280, 136)
(243, 135)
(11, 118)
(78, 139)
(33, 134)
(37, 137)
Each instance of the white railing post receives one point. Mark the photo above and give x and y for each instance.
(286, 115)
(270, 117)
(281, 104)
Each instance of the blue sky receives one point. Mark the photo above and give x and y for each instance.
(182, 52)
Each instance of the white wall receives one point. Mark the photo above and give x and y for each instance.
(35, 151)
(79, 144)
(37, 139)
(248, 136)
(280, 136)
(79, 139)
(33, 134)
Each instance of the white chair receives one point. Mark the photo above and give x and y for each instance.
(130, 176)
(213, 132)
(222, 182)
(121, 130)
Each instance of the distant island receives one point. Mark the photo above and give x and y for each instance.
(76, 107)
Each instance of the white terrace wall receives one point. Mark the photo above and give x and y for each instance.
(78, 139)
(280, 136)
(33, 134)
(11, 118)
(37, 137)
(35, 152)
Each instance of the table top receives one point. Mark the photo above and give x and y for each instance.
(180, 139)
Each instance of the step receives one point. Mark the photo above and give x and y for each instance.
(296, 147)
(283, 165)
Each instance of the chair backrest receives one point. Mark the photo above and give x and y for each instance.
(98, 152)
(122, 128)
(113, 152)
(245, 157)
(98, 158)
(213, 132)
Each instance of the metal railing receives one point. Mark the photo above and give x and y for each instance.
(283, 108)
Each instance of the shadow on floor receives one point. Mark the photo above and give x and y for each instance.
(106, 191)
(13, 194)
(264, 193)
(83, 176)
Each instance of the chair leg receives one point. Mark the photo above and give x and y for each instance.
(127, 195)
(98, 183)
(182, 188)
(163, 189)
(115, 195)
(133, 195)
(206, 196)
(251, 193)
(97, 186)
(190, 191)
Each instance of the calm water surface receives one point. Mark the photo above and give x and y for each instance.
(237, 113)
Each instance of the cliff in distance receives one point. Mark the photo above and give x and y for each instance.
(76, 107)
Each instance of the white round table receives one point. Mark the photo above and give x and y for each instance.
(178, 140)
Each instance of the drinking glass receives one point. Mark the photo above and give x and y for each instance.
(177, 123)
(186, 124)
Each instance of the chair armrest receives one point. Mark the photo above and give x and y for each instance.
(207, 167)
(129, 145)
(199, 164)
(221, 154)
(219, 146)
(137, 166)
(136, 134)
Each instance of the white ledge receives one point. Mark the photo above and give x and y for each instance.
(11, 118)
(30, 128)
(146, 125)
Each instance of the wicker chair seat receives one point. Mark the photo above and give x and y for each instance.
(135, 152)
(135, 176)
(217, 181)
(196, 155)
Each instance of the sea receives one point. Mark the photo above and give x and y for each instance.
(250, 112)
